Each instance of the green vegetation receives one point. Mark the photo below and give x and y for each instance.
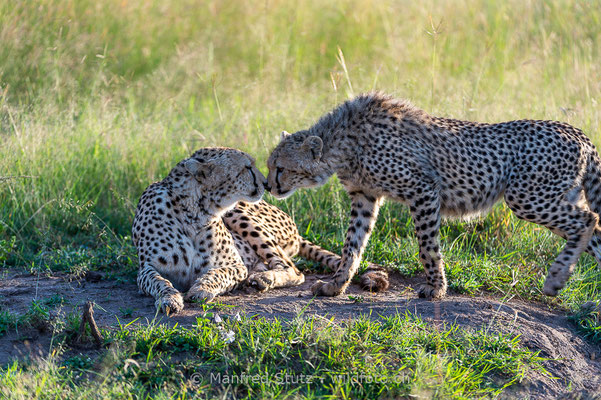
(99, 99)
(588, 319)
(398, 356)
(37, 316)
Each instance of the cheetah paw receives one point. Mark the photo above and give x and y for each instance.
(200, 295)
(375, 281)
(321, 288)
(171, 304)
(261, 281)
(429, 292)
(551, 288)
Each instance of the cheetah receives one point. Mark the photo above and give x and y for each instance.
(203, 230)
(380, 147)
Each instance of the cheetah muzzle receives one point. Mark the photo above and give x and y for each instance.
(548, 172)
(203, 230)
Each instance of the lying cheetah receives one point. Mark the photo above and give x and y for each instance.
(197, 231)
(548, 172)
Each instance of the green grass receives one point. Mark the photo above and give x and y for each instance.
(37, 316)
(588, 320)
(99, 99)
(306, 358)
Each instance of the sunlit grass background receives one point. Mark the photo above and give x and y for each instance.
(100, 98)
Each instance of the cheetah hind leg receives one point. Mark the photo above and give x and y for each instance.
(275, 278)
(577, 228)
(578, 239)
(281, 273)
(594, 246)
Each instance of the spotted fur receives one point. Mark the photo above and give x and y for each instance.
(548, 172)
(202, 230)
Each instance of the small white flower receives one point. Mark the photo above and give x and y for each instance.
(237, 317)
(228, 337)
(217, 319)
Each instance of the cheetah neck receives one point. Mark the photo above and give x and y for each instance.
(196, 209)
(340, 149)
(343, 130)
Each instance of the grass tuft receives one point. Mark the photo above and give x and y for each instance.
(397, 356)
(588, 320)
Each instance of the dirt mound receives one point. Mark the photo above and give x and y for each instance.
(573, 361)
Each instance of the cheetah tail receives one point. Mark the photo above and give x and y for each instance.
(592, 182)
(375, 279)
(313, 252)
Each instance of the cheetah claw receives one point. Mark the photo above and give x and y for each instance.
(277, 265)
(170, 305)
(261, 281)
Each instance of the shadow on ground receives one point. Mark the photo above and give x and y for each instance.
(572, 360)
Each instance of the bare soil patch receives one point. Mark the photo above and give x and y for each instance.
(574, 362)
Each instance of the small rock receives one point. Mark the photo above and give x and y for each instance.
(589, 305)
(93, 276)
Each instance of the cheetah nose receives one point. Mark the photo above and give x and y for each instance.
(266, 185)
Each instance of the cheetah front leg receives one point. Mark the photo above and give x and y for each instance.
(364, 213)
(426, 218)
(167, 298)
(217, 281)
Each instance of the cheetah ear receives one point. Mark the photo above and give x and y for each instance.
(284, 135)
(313, 144)
(200, 171)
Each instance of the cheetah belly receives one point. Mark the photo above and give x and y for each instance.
(469, 202)
(468, 194)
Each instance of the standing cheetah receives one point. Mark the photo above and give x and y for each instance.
(198, 231)
(548, 172)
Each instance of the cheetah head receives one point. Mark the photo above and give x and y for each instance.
(295, 163)
(218, 178)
